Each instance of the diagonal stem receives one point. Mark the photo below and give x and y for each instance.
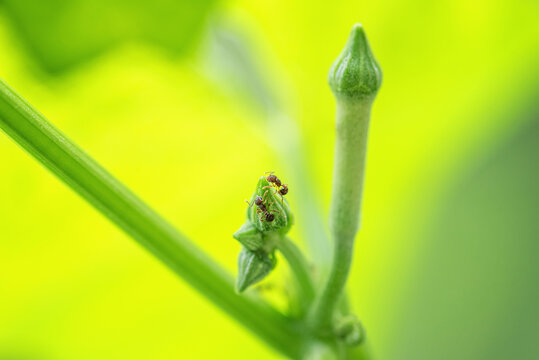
(43, 141)
(300, 268)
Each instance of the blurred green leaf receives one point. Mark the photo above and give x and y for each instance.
(474, 294)
(61, 33)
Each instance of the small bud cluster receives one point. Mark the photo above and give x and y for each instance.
(268, 214)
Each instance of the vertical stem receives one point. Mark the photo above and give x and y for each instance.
(354, 78)
(348, 174)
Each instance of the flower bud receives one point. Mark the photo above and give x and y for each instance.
(274, 204)
(252, 267)
(356, 73)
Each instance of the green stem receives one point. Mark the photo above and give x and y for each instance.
(354, 78)
(48, 145)
(348, 174)
(300, 269)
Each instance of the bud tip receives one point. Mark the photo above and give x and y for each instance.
(355, 73)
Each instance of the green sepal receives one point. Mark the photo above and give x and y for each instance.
(276, 204)
(249, 236)
(350, 330)
(252, 267)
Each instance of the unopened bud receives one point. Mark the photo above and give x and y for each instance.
(356, 73)
(252, 267)
(275, 214)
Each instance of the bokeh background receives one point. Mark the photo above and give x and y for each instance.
(189, 102)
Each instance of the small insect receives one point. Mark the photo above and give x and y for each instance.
(281, 188)
(258, 201)
(263, 208)
(273, 179)
(269, 216)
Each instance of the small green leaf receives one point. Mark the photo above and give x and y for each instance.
(252, 267)
(61, 34)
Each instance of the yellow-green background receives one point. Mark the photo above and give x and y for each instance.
(446, 263)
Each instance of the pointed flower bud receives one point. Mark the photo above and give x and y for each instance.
(252, 267)
(354, 78)
(356, 73)
(277, 216)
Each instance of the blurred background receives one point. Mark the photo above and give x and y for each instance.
(188, 103)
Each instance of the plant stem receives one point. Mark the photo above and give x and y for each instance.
(348, 174)
(300, 269)
(48, 145)
(355, 78)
